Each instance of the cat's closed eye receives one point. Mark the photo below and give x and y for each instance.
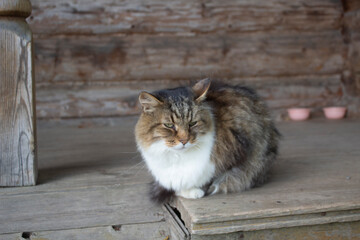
(169, 125)
(192, 124)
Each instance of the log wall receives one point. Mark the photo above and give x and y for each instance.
(93, 57)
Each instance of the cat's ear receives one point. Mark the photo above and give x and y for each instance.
(148, 102)
(201, 88)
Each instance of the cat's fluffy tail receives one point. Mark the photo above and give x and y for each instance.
(159, 194)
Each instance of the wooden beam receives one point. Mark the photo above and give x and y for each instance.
(66, 17)
(117, 58)
(71, 100)
(18, 166)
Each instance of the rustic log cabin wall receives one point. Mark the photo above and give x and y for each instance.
(93, 57)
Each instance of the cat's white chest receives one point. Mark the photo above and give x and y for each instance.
(181, 169)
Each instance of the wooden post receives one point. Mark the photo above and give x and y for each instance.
(18, 165)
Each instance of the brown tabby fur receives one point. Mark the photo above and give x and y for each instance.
(246, 139)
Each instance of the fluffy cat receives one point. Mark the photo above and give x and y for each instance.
(206, 139)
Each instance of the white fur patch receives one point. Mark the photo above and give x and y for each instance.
(182, 169)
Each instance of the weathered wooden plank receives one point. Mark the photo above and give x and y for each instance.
(148, 231)
(89, 177)
(80, 177)
(119, 99)
(17, 97)
(343, 231)
(72, 158)
(260, 223)
(77, 208)
(12, 236)
(87, 101)
(314, 180)
(143, 57)
(67, 147)
(180, 17)
(95, 46)
(311, 184)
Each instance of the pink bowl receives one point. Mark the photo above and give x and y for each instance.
(334, 112)
(299, 114)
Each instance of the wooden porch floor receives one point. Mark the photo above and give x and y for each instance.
(93, 185)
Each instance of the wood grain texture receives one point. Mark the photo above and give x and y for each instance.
(17, 104)
(340, 231)
(16, 8)
(148, 231)
(182, 17)
(120, 58)
(12, 236)
(351, 72)
(78, 208)
(315, 181)
(99, 45)
(88, 76)
(89, 177)
(119, 99)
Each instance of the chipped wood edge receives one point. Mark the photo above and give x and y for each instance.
(346, 230)
(276, 212)
(276, 222)
(185, 214)
(177, 229)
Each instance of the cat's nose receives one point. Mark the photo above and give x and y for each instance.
(183, 141)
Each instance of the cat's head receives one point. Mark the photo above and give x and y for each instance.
(177, 118)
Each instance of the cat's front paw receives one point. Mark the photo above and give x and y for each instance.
(192, 193)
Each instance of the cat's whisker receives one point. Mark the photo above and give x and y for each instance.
(135, 156)
(136, 165)
(141, 168)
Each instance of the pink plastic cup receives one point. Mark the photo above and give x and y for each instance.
(334, 112)
(299, 114)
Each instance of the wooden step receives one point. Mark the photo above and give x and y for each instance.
(315, 182)
(91, 182)
(93, 185)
